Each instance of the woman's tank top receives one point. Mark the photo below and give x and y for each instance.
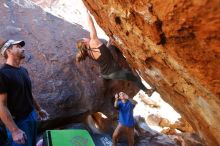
(106, 61)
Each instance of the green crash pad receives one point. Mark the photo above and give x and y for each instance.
(73, 137)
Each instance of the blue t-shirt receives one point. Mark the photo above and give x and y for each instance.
(126, 113)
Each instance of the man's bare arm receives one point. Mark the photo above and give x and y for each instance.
(41, 112)
(36, 104)
(18, 135)
(5, 115)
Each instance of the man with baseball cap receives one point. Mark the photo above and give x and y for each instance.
(17, 105)
(9, 43)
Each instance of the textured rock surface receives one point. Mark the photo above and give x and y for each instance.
(62, 86)
(175, 45)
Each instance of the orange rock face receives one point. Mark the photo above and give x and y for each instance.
(175, 45)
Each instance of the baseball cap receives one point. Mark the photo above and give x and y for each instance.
(8, 43)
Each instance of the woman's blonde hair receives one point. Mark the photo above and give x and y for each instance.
(82, 50)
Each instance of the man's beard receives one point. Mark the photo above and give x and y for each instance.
(22, 56)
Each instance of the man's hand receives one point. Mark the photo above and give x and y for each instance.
(43, 114)
(19, 136)
(116, 96)
(116, 101)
